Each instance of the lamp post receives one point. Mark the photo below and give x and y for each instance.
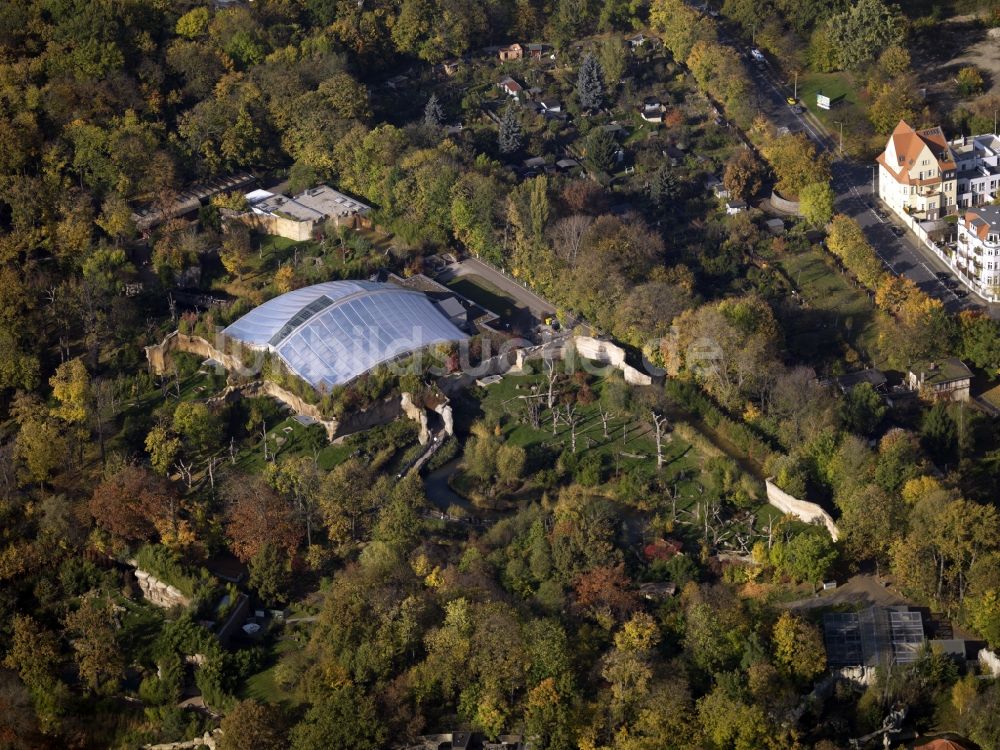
(795, 89)
(841, 136)
(873, 167)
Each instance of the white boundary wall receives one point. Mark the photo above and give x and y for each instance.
(801, 509)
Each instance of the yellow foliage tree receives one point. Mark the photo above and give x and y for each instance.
(798, 647)
(284, 279)
(796, 163)
(919, 488)
(71, 387)
(891, 292)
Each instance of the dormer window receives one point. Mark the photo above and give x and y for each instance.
(991, 237)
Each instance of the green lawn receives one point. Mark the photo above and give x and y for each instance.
(399, 436)
(500, 401)
(271, 246)
(835, 312)
(287, 438)
(333, 455)
(992, 395)
(488, 296)
(843, 95)
(263, 686)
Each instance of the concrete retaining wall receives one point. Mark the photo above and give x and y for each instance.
(597, 350)
(289, 399)
(418, 415)
(297, 231)
(801, 509)
(784, 205)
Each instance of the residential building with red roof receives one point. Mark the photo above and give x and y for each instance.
(918, 173)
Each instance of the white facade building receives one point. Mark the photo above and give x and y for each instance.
(923, 178)
(978, 174)
(977, 256)
(917, 173)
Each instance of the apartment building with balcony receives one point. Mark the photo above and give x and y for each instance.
(924, 176)
(977, 159)
(918, 173)
(977, 251)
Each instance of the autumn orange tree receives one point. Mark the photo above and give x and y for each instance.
(135, 504)
(257, 516)
(605, 593)
(744, 174)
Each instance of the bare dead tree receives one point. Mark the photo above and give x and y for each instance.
(605, 416)
(672, 491)
(185, 471)
(532, 411)
(572, 419)
(660, 424)
(210, 465)
(551, 375)
(567, 236)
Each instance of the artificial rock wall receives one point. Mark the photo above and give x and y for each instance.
(158, 592)
(990, 662)
(801, 509)
(609, 353)
(159, 354)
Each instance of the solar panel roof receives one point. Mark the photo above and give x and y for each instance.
(330, 333)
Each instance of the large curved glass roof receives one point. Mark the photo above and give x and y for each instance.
(330, 333)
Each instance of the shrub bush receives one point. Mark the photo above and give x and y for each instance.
(167, 566)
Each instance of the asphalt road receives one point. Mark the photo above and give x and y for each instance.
(852, 183)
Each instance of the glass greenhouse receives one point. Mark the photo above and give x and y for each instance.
(330, 333)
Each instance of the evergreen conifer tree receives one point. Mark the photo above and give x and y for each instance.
(590, 84)
(433, 114)
(601, 149)
(663, 187)
(511, 133)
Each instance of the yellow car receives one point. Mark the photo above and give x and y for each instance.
(792, 100)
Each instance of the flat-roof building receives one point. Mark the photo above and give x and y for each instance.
(296, 218)
(876, 636)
